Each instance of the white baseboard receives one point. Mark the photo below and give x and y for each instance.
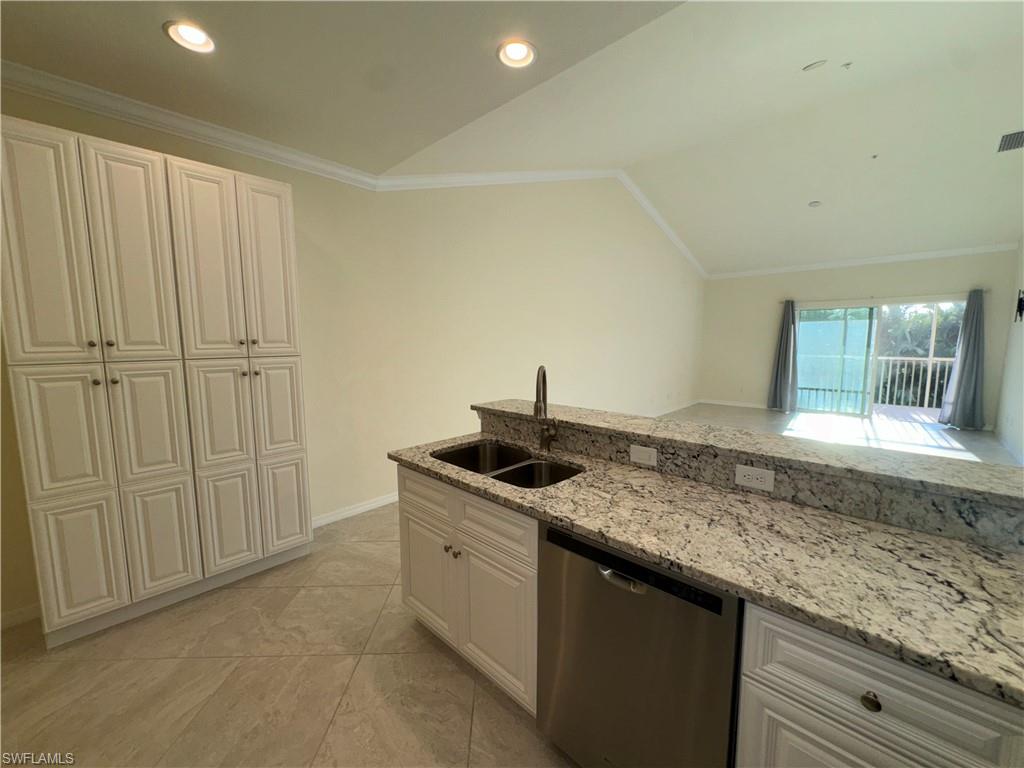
(16, 616)
(734, 403)
(355, 509)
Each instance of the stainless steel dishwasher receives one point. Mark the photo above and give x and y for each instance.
(635, 667)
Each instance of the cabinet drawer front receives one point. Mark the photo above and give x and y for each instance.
(150, 420)
(427, 494)
(284, 504)
(209, 262)
(130, 232)
(229, 517)
(161, 536)
(220, 408)
(428, 580)
(79, 558)
(49, 301)
(63, 429)
(508, 531)
(277, 393)
(937, 721)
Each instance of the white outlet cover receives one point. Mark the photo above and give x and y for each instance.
(753, 477)
(641, 454)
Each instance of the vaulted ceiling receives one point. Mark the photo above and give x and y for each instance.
(705, 105)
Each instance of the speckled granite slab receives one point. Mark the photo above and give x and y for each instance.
(971, 501)
(951, 608)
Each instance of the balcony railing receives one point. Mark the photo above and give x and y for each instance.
(918, 382)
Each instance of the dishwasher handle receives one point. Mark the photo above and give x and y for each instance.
(616, 579)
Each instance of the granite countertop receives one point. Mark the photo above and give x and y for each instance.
(951, 608)
(993, 483)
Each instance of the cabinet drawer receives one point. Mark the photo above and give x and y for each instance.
(426, 494)
(508, 531)
(933, 721)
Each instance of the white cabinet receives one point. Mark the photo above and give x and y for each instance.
(428, 571)
(204, 213)
(220, 407)
(129, 228)
(161, 535)
(49, 304)
(79, 558)
(284, 503)
(147, 404)
(268, 258)
(277, 400)
(469, 573)
(229, 517)
(63, 429)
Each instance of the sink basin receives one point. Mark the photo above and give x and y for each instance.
(483, 457)
(536, 474)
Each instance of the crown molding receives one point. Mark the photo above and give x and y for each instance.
(44, 85)
(977, 250)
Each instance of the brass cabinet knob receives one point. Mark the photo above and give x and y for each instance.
(447, 547)
(115, 380)
(457, 554)
(91, 343)
(109, 342)
(255, 373)
(96, 382)
(242, 342)
(253, 341)
(245, 373)
(870, 701)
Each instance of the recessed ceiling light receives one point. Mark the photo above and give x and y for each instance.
(188, 35)
(815, 65)
(814, 203)
(516, 53)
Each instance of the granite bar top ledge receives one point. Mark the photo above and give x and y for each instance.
(948, 607)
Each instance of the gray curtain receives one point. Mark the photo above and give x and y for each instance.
(782, 392)
(961, 402)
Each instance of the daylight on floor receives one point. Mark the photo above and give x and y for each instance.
(512, 384)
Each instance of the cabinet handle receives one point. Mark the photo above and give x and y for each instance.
(870, 701)
(457, 554)
(91, 343)
(253, 341)
(447, 547)
(255, 373)
(96, 382)
(245, 373)
(242, 342)
(115, 380)
(109, 342)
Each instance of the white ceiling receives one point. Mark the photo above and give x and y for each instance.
(705, 107)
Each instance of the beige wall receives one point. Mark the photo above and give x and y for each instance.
(415, 304)
(1010, 423)
(741, 317)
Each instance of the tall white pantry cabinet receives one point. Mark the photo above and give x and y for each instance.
(150, 322)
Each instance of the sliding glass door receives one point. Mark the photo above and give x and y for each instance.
(834, 357)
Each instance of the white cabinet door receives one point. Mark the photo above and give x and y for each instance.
(129, 228)
(428, 571)
(220, 408)
(277, 399)
(147, 404)
(229, 517)
(268, 261)
(205, 216)
(498, 630)
(79, 558)
(161, 536)
(49, 302)
(63, 429)
(284, 504)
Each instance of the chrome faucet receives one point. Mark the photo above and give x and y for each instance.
(540, 411)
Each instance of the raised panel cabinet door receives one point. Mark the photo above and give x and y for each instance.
(150, 420)
(130, 232)
(498, 599)
(428, 571)
(284, 504)
(63, 429)
(268, 265)
(277, 404)
(220, 409)
(204, 212)
(229, 517)
(49, 301)
(80, 559)
(161, 535)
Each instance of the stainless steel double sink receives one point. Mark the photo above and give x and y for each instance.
(507, 463)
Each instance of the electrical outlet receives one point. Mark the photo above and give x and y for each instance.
(641, 454)
(752, 477)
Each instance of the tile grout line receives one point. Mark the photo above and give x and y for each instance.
(472, 720)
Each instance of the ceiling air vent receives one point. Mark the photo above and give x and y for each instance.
(1011, 141)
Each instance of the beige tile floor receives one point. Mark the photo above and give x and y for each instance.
(316, 662)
